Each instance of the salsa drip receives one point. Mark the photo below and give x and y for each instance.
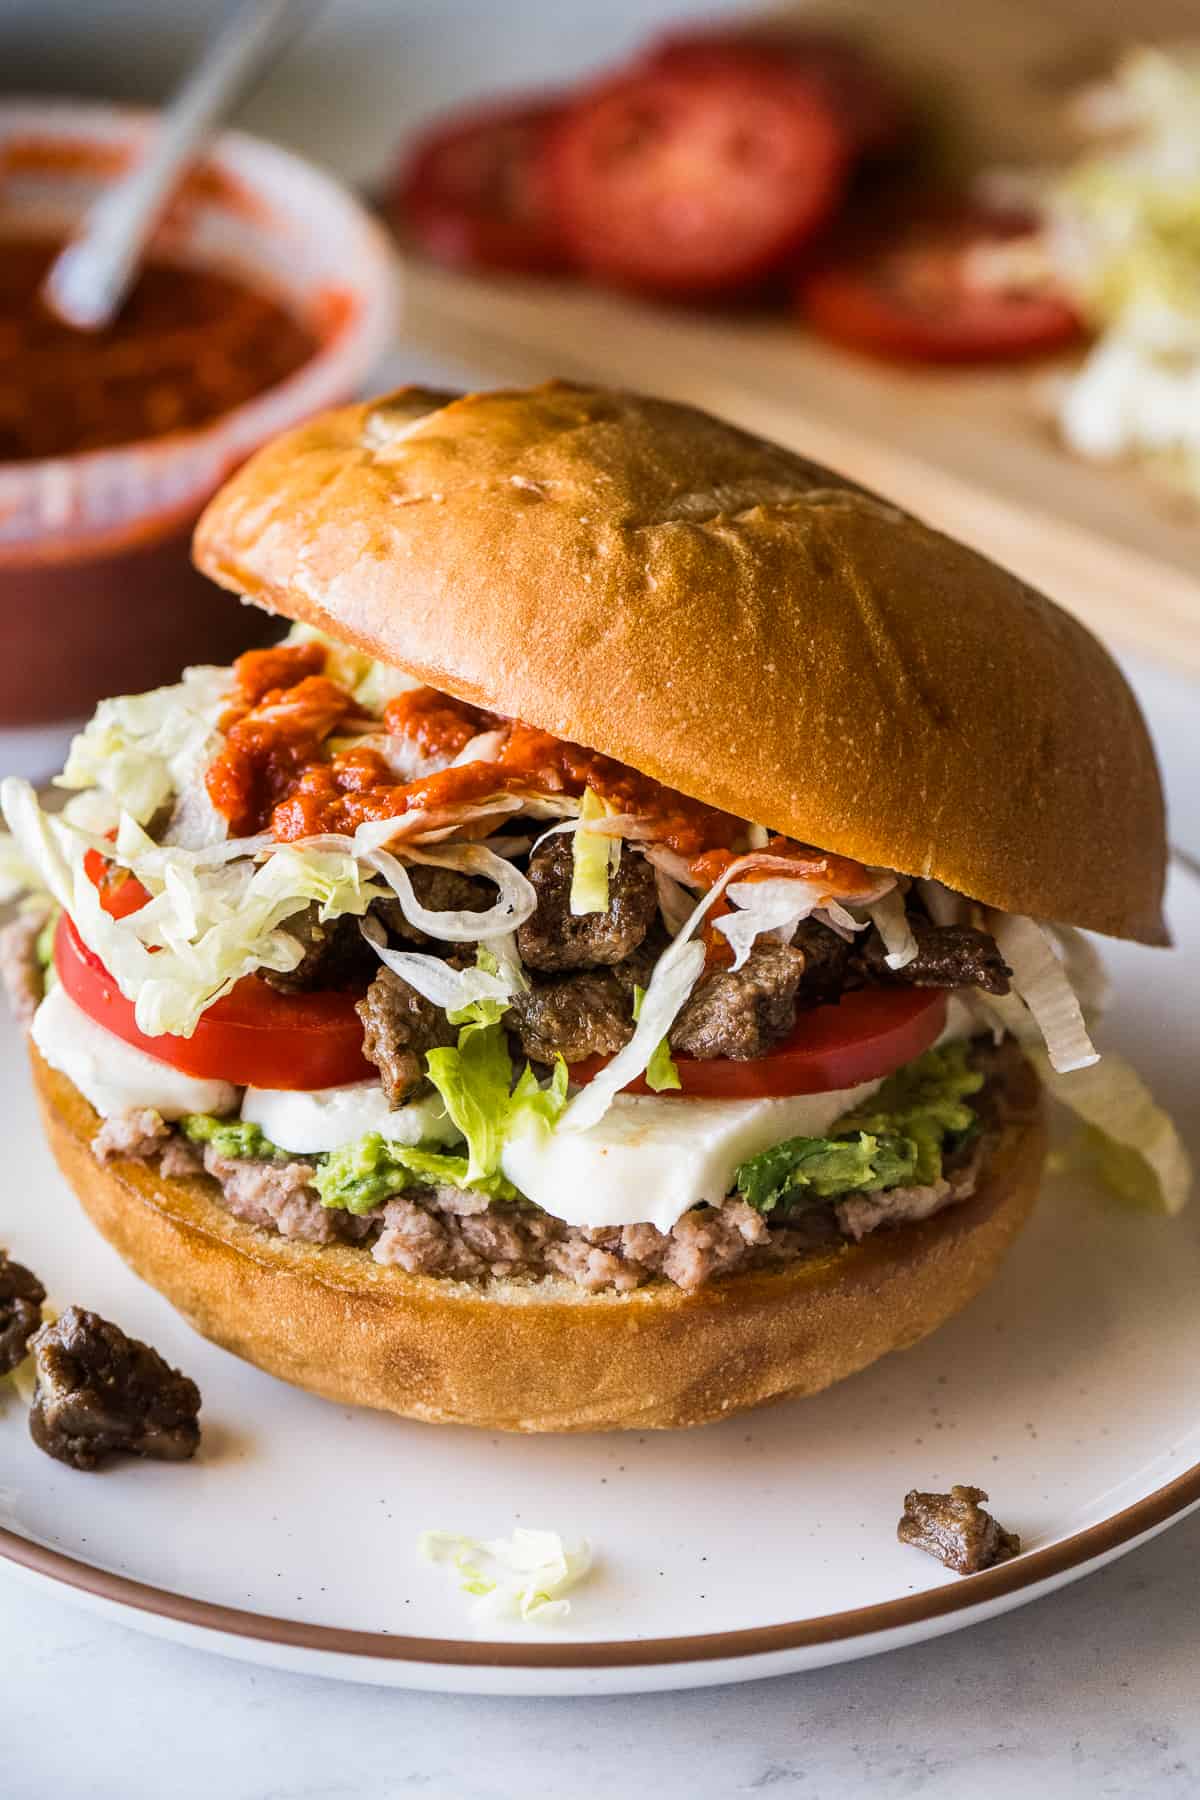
(187, 345)
(272, 773)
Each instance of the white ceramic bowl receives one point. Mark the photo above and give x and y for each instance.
(96, 592)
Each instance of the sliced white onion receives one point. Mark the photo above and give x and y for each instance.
(943, 905)
(839, 920)
(1041, 982)
(773, 905)
(672, 864)
(516, 903)
(890, 919)
(436, 980)
(674, 901)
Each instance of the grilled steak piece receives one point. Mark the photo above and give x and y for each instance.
(948, 956)
(589, 1013)
(400, 1026)
(826, 962)
(335, 954)
(21, 1296)
(99, 1391)
(438, 890)
(954, 1528)
(740, 1013)
(555, 938)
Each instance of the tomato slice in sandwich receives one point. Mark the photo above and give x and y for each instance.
(254, 1037)
(868, 1033)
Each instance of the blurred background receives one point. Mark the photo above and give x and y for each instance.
(363, 72)
(962, 266)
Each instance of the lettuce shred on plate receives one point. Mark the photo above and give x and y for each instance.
(522, 1578)
(1124, 236)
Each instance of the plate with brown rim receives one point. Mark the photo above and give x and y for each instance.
(758, 1546)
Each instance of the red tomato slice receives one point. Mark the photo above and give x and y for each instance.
(120, 892)
(860, 92)
(868, 1033)
(909, 293)
(473, 190)
(694, 181)
(253, 1037)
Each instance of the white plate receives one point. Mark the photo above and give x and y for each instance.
(762, 1545)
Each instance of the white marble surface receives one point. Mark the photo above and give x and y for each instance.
(1090, 1693)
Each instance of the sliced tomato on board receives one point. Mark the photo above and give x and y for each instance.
(253, 1037)
(867, 1034)
(863, 96)
(929, 290)
(694, 181)
(473, 189)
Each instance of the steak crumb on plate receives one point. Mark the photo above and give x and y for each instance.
(955, 1528)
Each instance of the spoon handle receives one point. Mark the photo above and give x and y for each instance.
(89, 279)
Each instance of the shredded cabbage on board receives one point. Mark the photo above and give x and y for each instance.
(1124, 238)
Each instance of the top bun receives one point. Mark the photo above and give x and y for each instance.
(737, 622)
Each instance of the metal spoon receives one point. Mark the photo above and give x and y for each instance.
(89, 279)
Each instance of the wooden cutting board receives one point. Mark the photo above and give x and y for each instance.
(970, 452)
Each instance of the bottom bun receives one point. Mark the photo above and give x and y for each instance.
(546, 1356)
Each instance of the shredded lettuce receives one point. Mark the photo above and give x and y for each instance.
(454, 990)
(1124, 237)
(43, 949)
(522, 1577)
(889, 916)
(594, 855)
(19, 876)
(143, 749)
(372, 683)
(474, 1079)
(1130, 1139)
(233, 1138)
(515, 900)
(215, 914)
(1040, 980)
(661, 1070)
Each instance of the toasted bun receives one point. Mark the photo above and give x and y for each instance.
(545, 1357)
(739, 623)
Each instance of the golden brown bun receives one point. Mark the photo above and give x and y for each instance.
(725, 616)
(548, 1357)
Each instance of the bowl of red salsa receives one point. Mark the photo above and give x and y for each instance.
(268, 294)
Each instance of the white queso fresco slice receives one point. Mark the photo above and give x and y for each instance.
(649, 1160)
(113, 1075)
(330, 1118)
